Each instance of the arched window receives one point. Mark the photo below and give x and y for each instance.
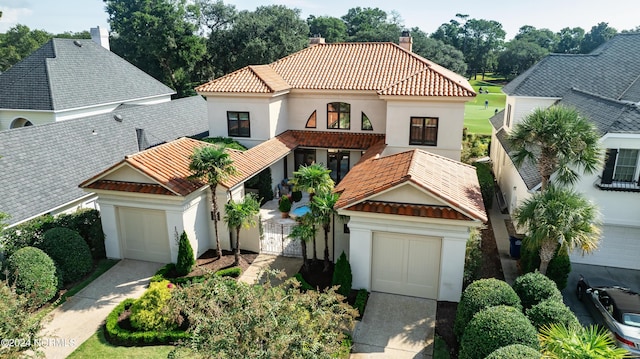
(338, 115)
(366, 123)
(20, 122)
(311, 121)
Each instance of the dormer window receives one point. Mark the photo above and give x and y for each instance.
(338, 115)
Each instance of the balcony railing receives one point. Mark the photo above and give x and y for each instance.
(619, 186)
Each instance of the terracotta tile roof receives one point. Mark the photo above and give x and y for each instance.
(130, 187)
(383, 67)
(342, 140)
(404, 209)
(453, 182)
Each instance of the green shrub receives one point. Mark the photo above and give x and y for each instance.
(148, 313)
(284, 205)
(534, 287)
(487, 186)
(481, 294)
(342, 275)
(494, 328)
(227, 142)
(69, 252)
(559, 266)
(16, 321)
(515, 351)
(296, 196)
(117, 335)
(27, 234)
(33, 274)
(551, 311)
(361, 301)
(161, 274)
(304, 285)
(186, 260)
(473, 257)
(233, 272)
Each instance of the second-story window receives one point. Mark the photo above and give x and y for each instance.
(423, 131)
(338, 115)
(238, 124)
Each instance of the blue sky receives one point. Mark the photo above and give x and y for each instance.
(78, 15)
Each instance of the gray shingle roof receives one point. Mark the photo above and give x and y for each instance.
(497, 120)
(61, 75)
(42, 166)
(607, 114)
(528, 170)
(612, 71)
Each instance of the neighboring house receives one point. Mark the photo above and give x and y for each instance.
(66, 79)
(110, 109)
(386, 122)
(604, 87)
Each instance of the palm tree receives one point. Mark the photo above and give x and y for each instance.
(215, 165)
(312, 179)
(322, 209)
(304, 231)
(577, 342)
(556, 139)
(558, 216)
(241, 214)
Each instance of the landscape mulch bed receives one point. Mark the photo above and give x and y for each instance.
(318, 278)
(208, 262)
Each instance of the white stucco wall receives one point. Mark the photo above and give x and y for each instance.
(196, 217)
(523, 106)
(35, 117)
(450, 116)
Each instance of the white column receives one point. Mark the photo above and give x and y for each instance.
(360, 249)
(109, 219)
(452, 268)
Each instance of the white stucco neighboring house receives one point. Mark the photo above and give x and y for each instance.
(386, 122)
(603, 86)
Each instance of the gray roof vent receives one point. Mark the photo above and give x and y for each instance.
(118, 117)
(77, 43)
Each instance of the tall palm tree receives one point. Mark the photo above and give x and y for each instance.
(304, 231)
(558, 216)
(322, 209)
(214, 165)
(557, 139)
(576, 342)
(241, 214)
(313, 179)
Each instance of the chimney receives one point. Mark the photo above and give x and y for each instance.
(406, 42)
(100, 36)
(315, 40)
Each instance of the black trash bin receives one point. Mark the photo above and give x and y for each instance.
(514, 247)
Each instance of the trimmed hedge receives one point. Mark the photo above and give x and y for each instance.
(487, 186)
(70, 253)
(515, 351)
(472, 258)
(162, 273)
(551, 312)
(33, 273)
(233, 272)
(481, 294)
(342, 275)
(186, 260)
(494, 328)
(535, 287)
(117, 335)
(361, 301)
(559, 266)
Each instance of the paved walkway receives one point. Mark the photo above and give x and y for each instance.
(509, 265)
(395, 326)
(80, 316)
(255, 273)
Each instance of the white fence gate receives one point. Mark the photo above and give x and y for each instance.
(275, 239)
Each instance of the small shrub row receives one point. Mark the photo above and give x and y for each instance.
(361, 301)
(487, 186)
(342, 275)
(163, 274)
(304, 285)
(473, 258)
(120, 336)
(233, 272)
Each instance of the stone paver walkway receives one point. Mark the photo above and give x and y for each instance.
(255, 273)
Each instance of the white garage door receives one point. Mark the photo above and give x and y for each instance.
(144, 234)
(619, 247)
(405, 264)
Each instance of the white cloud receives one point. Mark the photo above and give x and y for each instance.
(12, 16)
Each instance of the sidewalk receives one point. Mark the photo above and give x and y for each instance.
(509, 265)
(81, 315)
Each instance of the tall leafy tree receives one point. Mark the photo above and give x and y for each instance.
(19, 42)
(558, 140)
(241, 214)
(452, 32)
(597, 36)
(330, 28)
(482, 40)
(372, 24)
(558, 217)
(322, 207)
(559, 341)
(569, 40)
(544, 38)
(214, 165)
(157, 37)
(518, 56)
(438, 52)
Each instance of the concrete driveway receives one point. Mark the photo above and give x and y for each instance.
(596, 275)
(395, 326)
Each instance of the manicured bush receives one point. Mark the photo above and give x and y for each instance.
(161, 274)
(304, 285)
(551, 311)
(473, 257)
(296, 196)
(284, 205)
(361, 301)
(117, 335)
(481, 294)
(69, 252)
(233, 272)
(33, 273)
(494, 328)
(186, 260)
(16, 321)
(535, 287)
(148, 313)
(515, 351)
(342, 275)
(559, 266)
(487, 186)
(27, 234)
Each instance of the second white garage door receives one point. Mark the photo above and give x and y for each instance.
(405, 264)
(143, 235)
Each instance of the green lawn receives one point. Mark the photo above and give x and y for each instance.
(476, 116)
(98, 347)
